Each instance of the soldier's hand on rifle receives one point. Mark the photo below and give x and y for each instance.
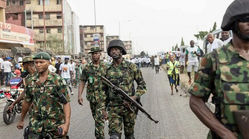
(80, 100)
(134, 98)
(65, 128)
(20, 124)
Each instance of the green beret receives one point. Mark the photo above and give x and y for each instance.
(95, 49)
(42, 55)
(27, 59)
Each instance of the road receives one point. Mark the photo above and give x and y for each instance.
(176, 119)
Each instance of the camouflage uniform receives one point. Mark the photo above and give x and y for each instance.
(95, 95)
(224, 73)
(47, 110)
(123, 76)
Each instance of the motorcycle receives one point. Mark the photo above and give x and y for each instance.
(11, 95)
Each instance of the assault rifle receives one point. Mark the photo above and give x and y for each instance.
(127, 97)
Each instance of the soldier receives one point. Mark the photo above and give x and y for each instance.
(50, 113)
(95, 94)
(122, 74)
(29, 67)
(224, 74)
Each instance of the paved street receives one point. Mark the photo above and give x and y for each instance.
(176, 119)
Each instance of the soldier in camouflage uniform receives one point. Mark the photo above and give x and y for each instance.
(95, 93)
(50, 102)
(224, 74)
(28, 64)
(123, 74)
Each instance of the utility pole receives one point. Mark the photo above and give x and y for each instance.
(44, 25)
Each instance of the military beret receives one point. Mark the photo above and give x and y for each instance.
(27, 59)
(95, 49)
(42, 55)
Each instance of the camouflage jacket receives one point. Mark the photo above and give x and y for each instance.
(47, 110)
(91, 74)
(224, 73)
(124, 76)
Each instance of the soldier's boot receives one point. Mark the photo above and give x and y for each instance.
(115, 136)
(129, 137)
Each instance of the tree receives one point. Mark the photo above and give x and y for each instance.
(201, 35)
(142, 54)
(182, 42)
(214, 27)
(176, 47)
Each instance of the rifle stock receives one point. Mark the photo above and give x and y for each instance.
(127, 97)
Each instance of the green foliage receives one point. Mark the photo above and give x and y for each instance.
(182, 42)
(201, 35)
(142, 54)
(214, 27)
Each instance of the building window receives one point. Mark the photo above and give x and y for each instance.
(48, 30)
(41, 30)
(58, 2)
(14, 2)
(8, 2)
(28, 1)
(15, 17)
(59, 16)
(21, 2)
(59, 30)
(40, 16)
(28, 16)
(47, 16)
(40, 2)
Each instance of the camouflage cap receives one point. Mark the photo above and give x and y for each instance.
(27, 59)
(42, 55)
(95, 49)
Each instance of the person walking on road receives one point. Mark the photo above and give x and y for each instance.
(173, 73)
(157, 63)
(122, 74)
(49, 97)
(95, 93)
(213, 43)
(66, 73)
(191, 59)
(224, 74)
(7, 67)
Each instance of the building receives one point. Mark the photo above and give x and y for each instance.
(51, 21)
(92, 36)
(14, 38)
(76, 34)
(128, 48)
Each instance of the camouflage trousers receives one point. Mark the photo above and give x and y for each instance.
(99, 120)
(118, 116)
(48, 136)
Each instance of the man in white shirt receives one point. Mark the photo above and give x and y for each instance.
(157, 63)
(66, 73)
(225, 37)
(6, 67)
(213, 43)
(182, 59)
(191, 59)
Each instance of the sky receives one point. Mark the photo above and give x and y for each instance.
(152, 25)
